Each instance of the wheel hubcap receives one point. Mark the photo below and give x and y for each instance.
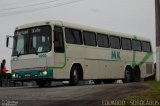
(75, 75)
(127, 76)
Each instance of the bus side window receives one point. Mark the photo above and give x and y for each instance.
(103, 40)
(115, 42)
(136, 44)
(146, 47)
(58, 40)
(126, 44)
(89, 38)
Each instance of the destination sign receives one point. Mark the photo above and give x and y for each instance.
(35, 30)
(23, 32)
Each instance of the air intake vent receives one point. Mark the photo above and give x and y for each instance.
(149, 68)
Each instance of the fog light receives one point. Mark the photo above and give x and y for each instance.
(44, 72)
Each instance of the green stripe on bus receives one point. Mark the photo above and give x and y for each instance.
(134, 56)
(146, 57)
(133, 60)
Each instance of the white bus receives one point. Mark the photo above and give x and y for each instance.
(56, 50)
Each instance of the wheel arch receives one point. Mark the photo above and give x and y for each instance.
(127, 79)
(128, 66)
(80, 70)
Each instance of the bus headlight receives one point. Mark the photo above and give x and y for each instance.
(14, 75)
(44, 72)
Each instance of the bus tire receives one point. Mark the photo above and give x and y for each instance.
(97, 81)
(127, 75)
(41, 83)
(74, 76)
(136, 74)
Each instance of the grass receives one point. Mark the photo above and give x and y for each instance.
(149, 97)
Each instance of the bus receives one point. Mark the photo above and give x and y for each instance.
(61, 51)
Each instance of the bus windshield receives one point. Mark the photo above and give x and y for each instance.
(32, 40)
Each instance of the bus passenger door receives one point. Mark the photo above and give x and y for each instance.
(59, 50)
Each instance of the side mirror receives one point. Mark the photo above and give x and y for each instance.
(8, 42)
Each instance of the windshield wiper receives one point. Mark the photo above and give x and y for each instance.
(20, 52)
(23, 49)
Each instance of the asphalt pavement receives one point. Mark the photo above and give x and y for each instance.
(90, 95)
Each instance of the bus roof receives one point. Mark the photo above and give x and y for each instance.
(82, 27)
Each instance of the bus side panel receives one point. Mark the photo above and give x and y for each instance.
(74, 54)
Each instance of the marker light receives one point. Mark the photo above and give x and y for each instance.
(45, 67)
(13, 71)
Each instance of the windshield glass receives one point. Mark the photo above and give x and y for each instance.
(32, 40)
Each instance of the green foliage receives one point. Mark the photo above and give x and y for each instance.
(154, 86)
(151, 94)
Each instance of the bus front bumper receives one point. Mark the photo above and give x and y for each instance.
(23, 75)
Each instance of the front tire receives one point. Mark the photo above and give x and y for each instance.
(97, 81)
(74, 77)
(41, 83)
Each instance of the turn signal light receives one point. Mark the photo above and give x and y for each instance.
(45, 67)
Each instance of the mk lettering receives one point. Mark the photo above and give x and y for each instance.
(116, 55)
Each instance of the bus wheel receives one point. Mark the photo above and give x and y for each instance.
(97, 81)
(127, 75)
(136, 74)
(108, 81)
(74, 78)
(41, 83)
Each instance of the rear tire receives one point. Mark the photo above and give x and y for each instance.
(127, 75)
(136, 74)
(74, 77)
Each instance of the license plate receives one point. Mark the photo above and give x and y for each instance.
(27, 75)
